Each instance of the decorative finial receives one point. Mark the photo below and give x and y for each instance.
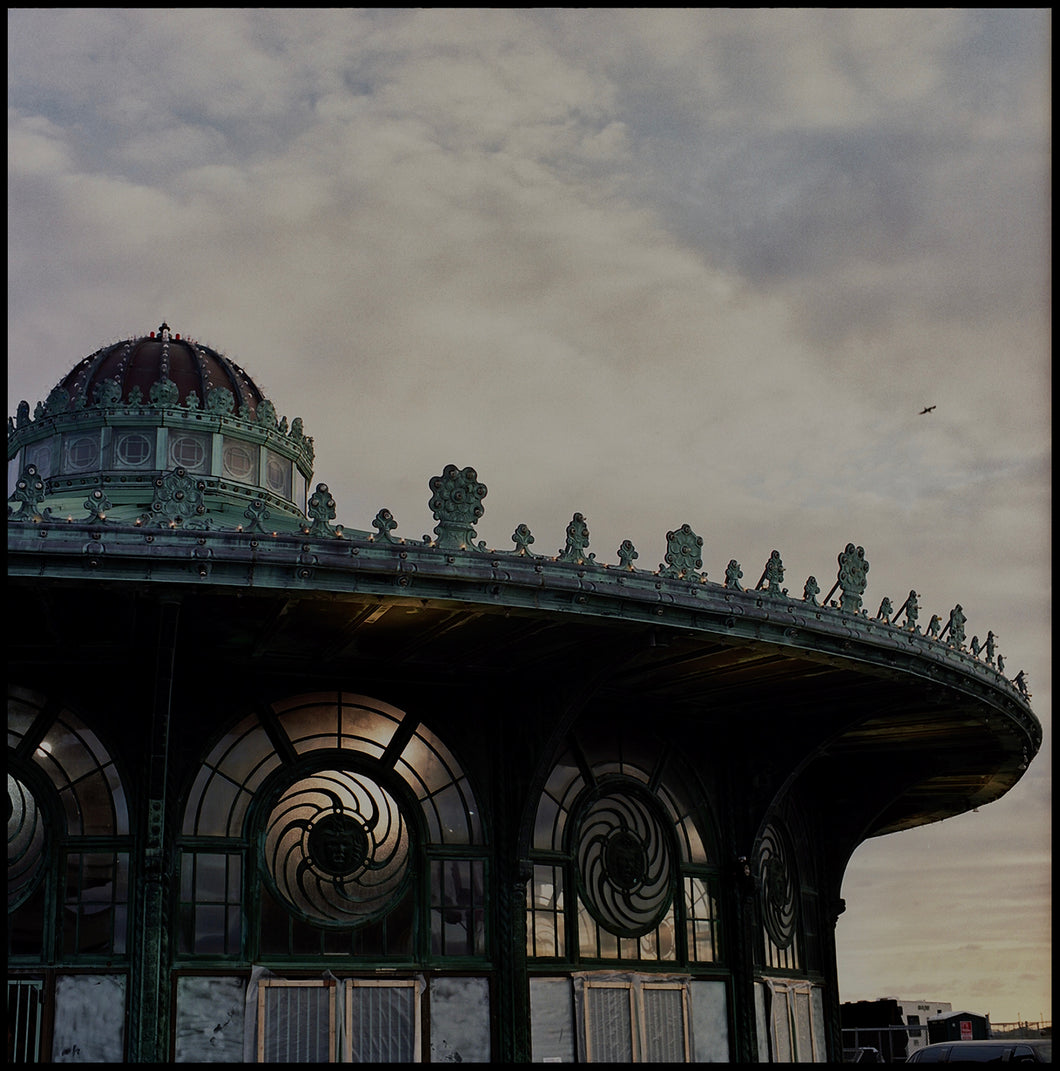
(577, 541)
(773, 576)
(456, 503)
(682, 553)
(627, 554)
(384, 524)
(321, 510)
(522, 539)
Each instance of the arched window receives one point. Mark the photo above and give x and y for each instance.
(332, 824)
(789, 1001)
(69, 844)
(621, 866)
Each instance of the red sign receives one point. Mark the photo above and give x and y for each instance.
(966, 1030)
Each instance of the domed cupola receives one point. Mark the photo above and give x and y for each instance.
(134, 412)
(163, 362)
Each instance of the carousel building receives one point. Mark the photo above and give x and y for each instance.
(282, 790)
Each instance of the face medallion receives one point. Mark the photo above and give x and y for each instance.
(337, 844)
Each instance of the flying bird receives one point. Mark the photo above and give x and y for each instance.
(926, 409)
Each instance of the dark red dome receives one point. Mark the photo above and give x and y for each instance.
(162, 355)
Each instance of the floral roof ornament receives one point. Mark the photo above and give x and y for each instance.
(28, 494)
(577, 541)
(257, 513)
(683, 558)
(773, 576)
(97, 505)
(627, 554)
(456, 503)
(178, 500)
(321, 511)
(852, 571)
(522, 539)
(733, 575)
(384, 524)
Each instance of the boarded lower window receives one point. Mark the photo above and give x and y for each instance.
(382, 1021)
(296, 1021)
(796, 1022)
(635, 1020)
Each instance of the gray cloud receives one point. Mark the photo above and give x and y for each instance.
(697, 266)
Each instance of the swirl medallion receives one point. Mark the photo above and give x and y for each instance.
(624, 863)
(337, 848)
(779, 902)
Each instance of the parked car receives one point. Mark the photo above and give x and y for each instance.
(994, 1050)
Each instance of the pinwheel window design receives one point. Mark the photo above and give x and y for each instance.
(624, 862)
(336, 848)
(779, 899)
(328, 823)
(620, 867)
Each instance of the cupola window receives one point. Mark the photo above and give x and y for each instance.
(191, 452)
(134, 450)
(81, 453)
(278, 475)
(239, 461)
(40, 454)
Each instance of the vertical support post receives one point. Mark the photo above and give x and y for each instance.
(149, 1005)
(737, 789)
(832, 1011)
(514, 1015)
(513, 989)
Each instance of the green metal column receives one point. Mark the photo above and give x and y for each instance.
(514, 1017)
(507, 786)
(149, 997)
(735, 783)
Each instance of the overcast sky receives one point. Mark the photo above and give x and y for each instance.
(654, 266)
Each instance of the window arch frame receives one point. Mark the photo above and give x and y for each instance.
(300, 736)
(556, 912)
(78, 783)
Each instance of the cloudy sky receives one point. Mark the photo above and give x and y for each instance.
(657, 267)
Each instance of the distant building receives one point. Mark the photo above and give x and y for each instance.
(286, 791)
(959, 1026)
(916, 1013)
(896, 1026)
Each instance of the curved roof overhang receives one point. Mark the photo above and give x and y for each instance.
(903, 728)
